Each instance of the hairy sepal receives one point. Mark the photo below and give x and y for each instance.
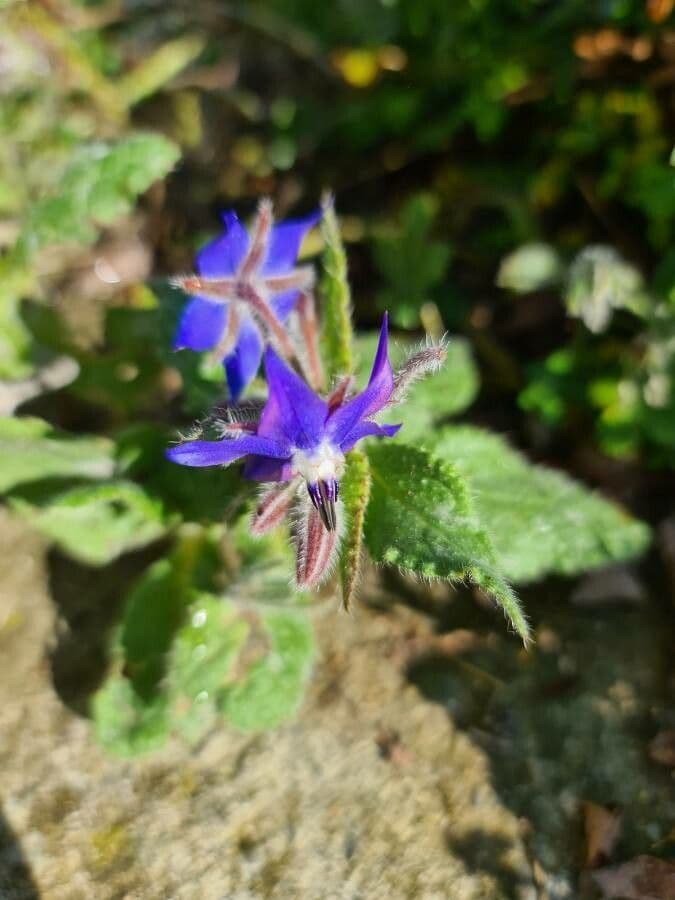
(274, 504)
(316, 547)
(355, 495)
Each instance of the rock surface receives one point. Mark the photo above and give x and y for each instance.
(361, 796)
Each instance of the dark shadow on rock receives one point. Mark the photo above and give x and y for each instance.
(485, 851)
(567, 722)
(90, 602)
(16, 880)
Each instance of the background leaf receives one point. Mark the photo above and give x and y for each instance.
(530, 267)
(411, 262)
(99, 186)
(188, 652)
(541, 521)
(96, 523)
(125, 723)
(31, 450)
(420, 519)
(272, 688)
(202, 663)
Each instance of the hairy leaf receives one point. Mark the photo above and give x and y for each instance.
(96, 523)
(541, 521)
(125, 723)
(273, 686)
(336, 337)
(99, 186)
(185, 657)
(202, 663)
(420, 519)
(355, 493)
(30, 450)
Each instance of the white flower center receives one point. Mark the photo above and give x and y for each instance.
(322, 463)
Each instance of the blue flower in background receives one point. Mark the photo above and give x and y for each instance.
(244, 290)
(299, 434)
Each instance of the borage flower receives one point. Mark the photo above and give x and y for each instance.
(302, 437)
(244, 290)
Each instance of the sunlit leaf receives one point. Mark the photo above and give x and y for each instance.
(420, 519)
(541, 521)
(599, 282)
(96, 523)
(159, 68)
(272, 687)
(202, 663)
(125, 723)
(530, 268)
(31, 450)
(100, 185)
(185, 657)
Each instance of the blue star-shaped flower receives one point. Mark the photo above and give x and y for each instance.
(245, 288)
(300, 434)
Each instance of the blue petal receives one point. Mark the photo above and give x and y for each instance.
(261, 468)
(222, 255)
(293, 412)
(369, 401)
(201, 324)
(367, 429)
(285, 241)
(282, 304)
(219, 453)
(243, 363)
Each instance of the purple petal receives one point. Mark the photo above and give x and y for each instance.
(201, 324)
(219, 453)
(369, 401)
(367, 429)
(222, 255)
(282, 304)
(260, 468)
(242, 364)
(285, 241)
(293, 412)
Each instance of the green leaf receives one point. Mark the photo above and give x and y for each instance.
(159, 68)
(125, 723)
(14, 336)
(355, 493)
(437, 397)
(411, 262)
(420, 519)
(96, 523)
(530, 267)
(541, 521)
(30, 451)
(599, 282)
(202, 663)
(336, 336)
(185, 658)
(98, 187)
(273, 686)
